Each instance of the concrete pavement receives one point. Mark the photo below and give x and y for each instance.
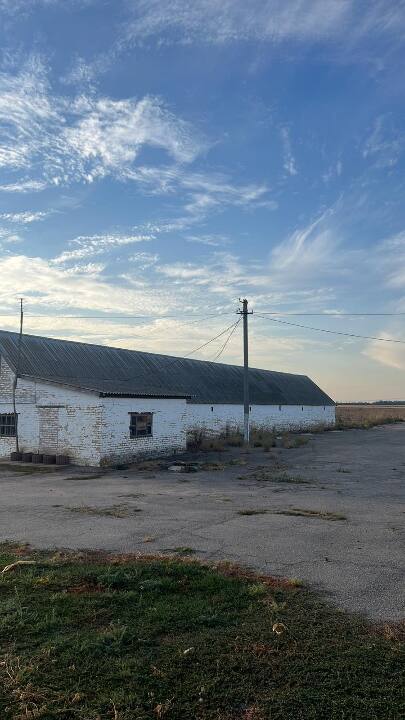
(358, 561)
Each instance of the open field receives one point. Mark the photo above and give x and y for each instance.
(329, 512)
(368, 415)
(92, 636)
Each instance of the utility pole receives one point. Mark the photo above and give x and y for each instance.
(17, 372)
(246, 411)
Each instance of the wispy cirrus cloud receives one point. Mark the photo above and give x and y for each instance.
(46, 285)
(210, 240)
(203, 192)
(289, 160)
(24, 186)
(230, 20)
(87, 246)
(15, 7)
(8, 237)
(27, 217)
(83, 139)
(144, 260)
(388, 354)
(385, 143)
(262, 20)
(90, 138)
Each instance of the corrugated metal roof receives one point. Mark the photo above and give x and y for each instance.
(115, 371)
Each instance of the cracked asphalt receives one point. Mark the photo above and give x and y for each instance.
(358, 562)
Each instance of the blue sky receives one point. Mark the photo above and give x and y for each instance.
(165, 158)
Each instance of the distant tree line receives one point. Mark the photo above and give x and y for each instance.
(377, 402)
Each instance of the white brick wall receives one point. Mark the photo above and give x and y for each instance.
(281, 417)
(93, 431)
(169, 431)
(79, 419)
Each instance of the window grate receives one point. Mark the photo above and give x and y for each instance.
(7, 425)
(141, 425)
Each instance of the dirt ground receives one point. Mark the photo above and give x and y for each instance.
(329, 513)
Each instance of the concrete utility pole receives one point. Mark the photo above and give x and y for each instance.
(17, 371)
(246, 411)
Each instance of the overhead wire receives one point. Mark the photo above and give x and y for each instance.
(200, 347)
(218, 355)
(119, 317)
(331, 332)
(332, 314)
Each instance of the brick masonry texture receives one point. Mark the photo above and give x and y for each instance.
(95, 431)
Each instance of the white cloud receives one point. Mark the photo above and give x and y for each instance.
(289, 160)
(211, 240)
(385, 143)
(263, 20)
(210, 191)
(24, 186)
(203, 192)
(230, 20)
(387, 353)
(7, 237)
(14, 7)
(26, 217)
(85, 139)
(390, 261)
(43, 284)
(334, 171)
(309, 250)
(90, 138)
(144, 260)
(92, 245)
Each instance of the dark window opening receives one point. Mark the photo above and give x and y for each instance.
(250, 408)
(141, 425)
(7, 425)
(212, 409)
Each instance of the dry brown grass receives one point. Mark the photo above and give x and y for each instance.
(368, 415)
(201, 439)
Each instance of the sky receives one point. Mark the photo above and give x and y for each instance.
(164, 158)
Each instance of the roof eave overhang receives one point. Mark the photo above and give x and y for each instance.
(102, 394)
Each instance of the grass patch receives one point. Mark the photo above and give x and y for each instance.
(116, 511)
(94, 636)
(203, 440)
(290, 442)
(211, 466)
(265, 474)
(252, 512)
(323, 515)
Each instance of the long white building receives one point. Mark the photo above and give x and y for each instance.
(102, 405)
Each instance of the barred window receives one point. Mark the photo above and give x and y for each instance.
(7, 425)
(141, 425)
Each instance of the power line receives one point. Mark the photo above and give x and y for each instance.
(332, 332)
(121, 317)
(192, 352)
(218, 355)
(333, 315)
(216, 314)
